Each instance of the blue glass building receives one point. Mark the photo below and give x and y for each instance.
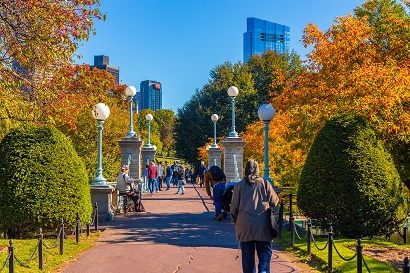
(262, 35)
(150, 95)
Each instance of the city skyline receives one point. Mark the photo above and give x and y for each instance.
(178, 43)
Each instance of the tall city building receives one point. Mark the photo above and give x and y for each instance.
(103, 62)
(262, 35)
(150, 95)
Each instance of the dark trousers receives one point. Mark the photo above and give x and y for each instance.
(264, 252)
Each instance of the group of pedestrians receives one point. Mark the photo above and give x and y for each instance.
(177, 174)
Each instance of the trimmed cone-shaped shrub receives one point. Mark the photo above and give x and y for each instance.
(42, 181)
(349, 180)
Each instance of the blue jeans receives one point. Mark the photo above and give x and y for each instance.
(264, 252)
(218, 195)
(151, 182)
(168, 182)
(156, 188)
(181, 186)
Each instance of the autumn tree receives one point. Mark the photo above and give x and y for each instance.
(38, 38)
(358, 66)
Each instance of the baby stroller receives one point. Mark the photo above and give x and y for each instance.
(227, 198)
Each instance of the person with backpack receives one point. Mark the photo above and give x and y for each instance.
(215, 178)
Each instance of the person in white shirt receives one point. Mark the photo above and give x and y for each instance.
(124, 184)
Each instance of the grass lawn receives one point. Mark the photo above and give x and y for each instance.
(52, 260)
(347, 249)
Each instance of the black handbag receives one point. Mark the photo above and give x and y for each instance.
(272, 219)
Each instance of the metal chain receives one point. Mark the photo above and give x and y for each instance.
(55, 243)
(296, 232)
(31, 257)
(5, 263)
(314, 242)
(344, 259)
(365, 264)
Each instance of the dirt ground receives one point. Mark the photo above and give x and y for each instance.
(392, 256)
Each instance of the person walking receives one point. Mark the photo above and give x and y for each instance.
(168, 175)
(252, 197)
(160, 169)
(192, 174)
(152, 176)
(215, 178)
(181, 180)
(201, 172)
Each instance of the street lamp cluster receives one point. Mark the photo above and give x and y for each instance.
(101, 112)
(266, 113)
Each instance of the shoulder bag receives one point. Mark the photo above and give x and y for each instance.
(273, 224)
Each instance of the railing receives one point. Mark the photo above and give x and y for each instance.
(330, 244)
(39, 250)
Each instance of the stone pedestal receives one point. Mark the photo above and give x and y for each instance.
(214, 157)
(148, 154)
(131, 148)
(102, 195)
(233, 147)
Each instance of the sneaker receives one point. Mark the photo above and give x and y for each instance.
(183, 193)
(219, 217)
(167, 189)
(177, 193)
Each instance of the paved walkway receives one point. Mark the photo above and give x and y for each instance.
(175, 234)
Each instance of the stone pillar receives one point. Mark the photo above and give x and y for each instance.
(148, 154)
(233, 146)
(102, 195)
(214, 156)
(131, 148)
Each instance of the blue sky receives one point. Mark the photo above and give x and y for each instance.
(178, 42)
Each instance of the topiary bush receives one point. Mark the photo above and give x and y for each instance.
(42, 181)
(349, 180)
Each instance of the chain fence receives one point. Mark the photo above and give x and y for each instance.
(38, 250)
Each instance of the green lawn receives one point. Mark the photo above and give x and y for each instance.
(347, 249)
(52, 260)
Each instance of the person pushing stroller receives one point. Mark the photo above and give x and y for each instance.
(215, 178)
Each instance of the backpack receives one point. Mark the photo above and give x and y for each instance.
(217, 173)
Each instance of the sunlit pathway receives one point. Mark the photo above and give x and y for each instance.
(175, 234)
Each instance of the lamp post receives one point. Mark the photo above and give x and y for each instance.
(130, 92)
(149, 117)
(214, 119)
(100, 112)
(233, 93)
(266, 112)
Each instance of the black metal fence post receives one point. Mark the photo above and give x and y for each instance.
(11, 257)
(62, 237)
(309, 237)
(292, 231)
(359, 250)
(280, 219)
(96, 216)
(88, 229)
(405, 235)
(77, 228)
(406, 268)
(290, 206)
(330, 246)
(40, 250)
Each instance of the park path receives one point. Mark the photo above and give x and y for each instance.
(175, 234)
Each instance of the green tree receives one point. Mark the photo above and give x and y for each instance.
(350, 180)
(165, 119)
(42, 180)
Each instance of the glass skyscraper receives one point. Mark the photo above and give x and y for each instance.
(150, 95)
(262, 35)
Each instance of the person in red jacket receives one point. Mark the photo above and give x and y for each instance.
(152, 175)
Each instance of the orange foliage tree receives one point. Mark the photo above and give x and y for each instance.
(361, 66)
